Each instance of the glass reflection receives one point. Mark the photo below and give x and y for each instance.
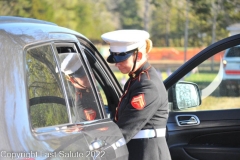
(186, 95)
(46, 98)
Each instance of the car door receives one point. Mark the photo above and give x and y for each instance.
(54, 115)
(209, 130)
(53, 133)
(108, 90)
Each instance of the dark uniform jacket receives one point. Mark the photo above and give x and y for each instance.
(86, 107)
(144, 105)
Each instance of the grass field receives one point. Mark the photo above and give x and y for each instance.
(209, 103)
(197, 77)
(201, 77)
(216, 103)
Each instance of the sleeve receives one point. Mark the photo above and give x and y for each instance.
(143, 101)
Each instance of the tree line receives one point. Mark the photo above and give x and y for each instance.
(171, 23)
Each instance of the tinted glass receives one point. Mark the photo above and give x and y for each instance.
(46, 98)
(82, 98)
(233, 52)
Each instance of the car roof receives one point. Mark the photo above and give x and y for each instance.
(12, 19)
(23, 31)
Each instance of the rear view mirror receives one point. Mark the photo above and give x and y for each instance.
(184, 95)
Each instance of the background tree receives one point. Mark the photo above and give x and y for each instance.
(208, 19)
(129, 14)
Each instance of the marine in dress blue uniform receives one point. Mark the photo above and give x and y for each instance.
(142, 111)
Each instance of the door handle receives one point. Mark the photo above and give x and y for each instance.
(96, 144)
(187, 120)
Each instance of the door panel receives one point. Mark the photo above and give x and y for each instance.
(106, 136)
(216, 137)
(217, 134)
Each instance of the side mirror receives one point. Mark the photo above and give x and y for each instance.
(184, 95)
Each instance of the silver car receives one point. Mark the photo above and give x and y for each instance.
(231, 72)
(44, 116)
(39, 117)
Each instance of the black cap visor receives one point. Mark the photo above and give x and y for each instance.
(119, 57)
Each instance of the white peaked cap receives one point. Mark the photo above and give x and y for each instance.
(70, 64)
(125, 40)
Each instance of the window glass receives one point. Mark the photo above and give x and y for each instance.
(233, 52)
(101, 94)
(83, 103)
(219, 81)
(103, 98)
(100, 81)
(46, 98)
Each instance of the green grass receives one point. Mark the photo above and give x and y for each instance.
(217, 103)
(201, 77)
(119, 75)
(197, 77)
(209, 103)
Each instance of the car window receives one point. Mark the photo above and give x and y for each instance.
(83, 100)
(233, 52)
(106, 83)
(219, 81)
(46, 98)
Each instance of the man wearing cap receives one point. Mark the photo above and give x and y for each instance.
(142, 111)
(84, 99)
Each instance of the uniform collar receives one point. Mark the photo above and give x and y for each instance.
(144, 66)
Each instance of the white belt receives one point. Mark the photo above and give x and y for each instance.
(150, 133)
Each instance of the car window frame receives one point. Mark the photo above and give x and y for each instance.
(200, 57)
(91, 76)
(109, 78)
(53, 127)
(88, 71)
(206, 53)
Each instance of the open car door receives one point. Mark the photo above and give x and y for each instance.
(204, 119)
